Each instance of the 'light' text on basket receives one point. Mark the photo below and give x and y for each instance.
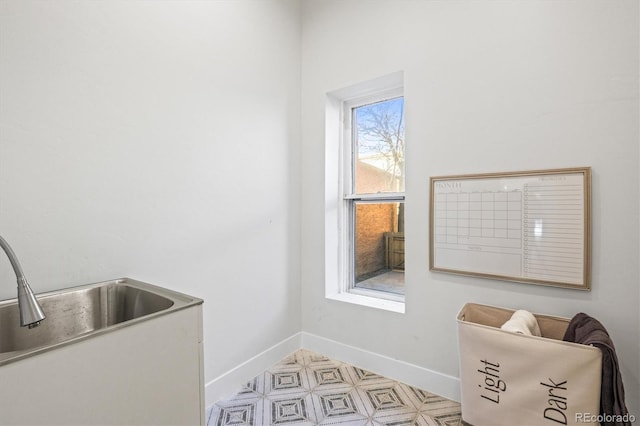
(493, 384)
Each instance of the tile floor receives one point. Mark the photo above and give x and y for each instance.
(307, 388)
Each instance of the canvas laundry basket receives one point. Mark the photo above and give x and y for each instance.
(510, 379)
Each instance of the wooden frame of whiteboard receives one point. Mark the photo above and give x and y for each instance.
(586, 235)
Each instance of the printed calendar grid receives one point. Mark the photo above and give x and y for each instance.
(529, 227)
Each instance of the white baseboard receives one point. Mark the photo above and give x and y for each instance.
(420, 377)
(228, 383)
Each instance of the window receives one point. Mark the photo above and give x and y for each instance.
(374, 194)
(365, 217)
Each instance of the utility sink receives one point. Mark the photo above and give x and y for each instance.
(116, 353)
(83, 312)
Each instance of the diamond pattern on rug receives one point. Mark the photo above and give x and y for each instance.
(288, 410)
(338, 404)
(364, 375)
(448, 420)
(237, 415)
(285, 380)
(314, 358)
(409, 419)
(290, 360)
(251, 387)
(441, 411)
(307, 388)
(384, 398)
(328, 376)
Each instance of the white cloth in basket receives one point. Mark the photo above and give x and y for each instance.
(522, 322)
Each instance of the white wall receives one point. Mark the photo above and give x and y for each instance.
(489, 86)
(157, 140)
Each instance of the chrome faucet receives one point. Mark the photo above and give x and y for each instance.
(30, 311)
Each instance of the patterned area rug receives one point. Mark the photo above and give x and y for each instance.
(307, 388)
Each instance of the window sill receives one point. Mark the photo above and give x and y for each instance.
(371, 302)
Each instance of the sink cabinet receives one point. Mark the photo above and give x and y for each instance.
(149, 373)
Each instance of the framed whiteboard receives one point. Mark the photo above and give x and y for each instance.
(531, 227)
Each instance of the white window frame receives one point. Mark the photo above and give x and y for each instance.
(338, 197)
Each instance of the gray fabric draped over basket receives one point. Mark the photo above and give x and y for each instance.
(589, 331)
